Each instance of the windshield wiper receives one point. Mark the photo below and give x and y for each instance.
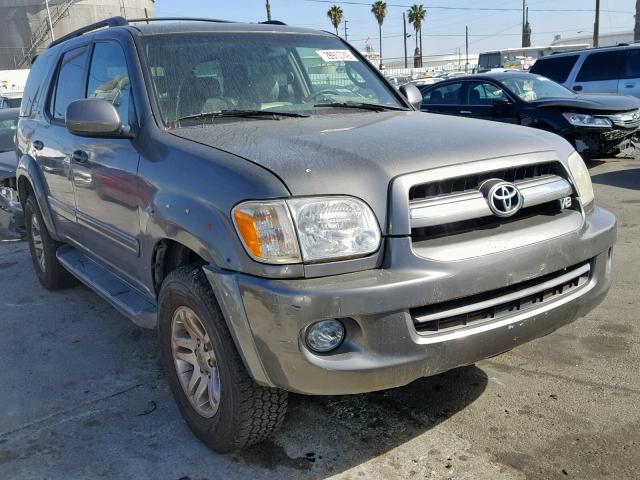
(376, 107)
(243, 114)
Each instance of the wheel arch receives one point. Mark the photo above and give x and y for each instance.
(30, 181)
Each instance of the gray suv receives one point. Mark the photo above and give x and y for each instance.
(288, 220)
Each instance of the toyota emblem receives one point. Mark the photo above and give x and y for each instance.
(504, 198)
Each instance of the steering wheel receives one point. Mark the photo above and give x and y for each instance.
(351, 73)
(326, 91)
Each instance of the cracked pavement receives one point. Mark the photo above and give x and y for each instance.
(83, 396)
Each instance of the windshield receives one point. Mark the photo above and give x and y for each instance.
(7, 132)
(534, 88)
(199, 73)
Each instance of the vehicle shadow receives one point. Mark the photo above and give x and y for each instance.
(629, 179)
(329, 435)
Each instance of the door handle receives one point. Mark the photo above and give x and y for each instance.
(465, 112)
(38, 145)
(629, 85)
(80, 156)
(577, 88)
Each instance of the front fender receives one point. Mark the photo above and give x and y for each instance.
(29, 176)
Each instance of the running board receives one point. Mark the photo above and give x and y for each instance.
(124, 298)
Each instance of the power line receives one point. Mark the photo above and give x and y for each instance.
(484, 9)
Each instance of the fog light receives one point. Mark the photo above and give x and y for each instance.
(325, 335)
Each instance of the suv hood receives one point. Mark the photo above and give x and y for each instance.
(359, 153)
(600, 103)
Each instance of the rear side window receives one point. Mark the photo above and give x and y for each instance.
(601, 66)
(70, 82)
(34, 85)
(557, 68)
(632, 63)
(444, 95)
(109, 77)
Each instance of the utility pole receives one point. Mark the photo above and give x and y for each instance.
(46, 2)
(466, 42)
(421, 51)
(636, 31)
(524, 8)
(596, 26)
(346, 38)
(404, 23)
(268, 11)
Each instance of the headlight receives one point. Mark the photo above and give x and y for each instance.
(334, 227)
(583, 120)
(327, 228)
(581, 178)
(266, 231)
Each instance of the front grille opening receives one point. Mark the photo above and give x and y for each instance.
(550, 209)
(498, 310)
(472, 182)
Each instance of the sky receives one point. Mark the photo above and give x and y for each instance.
(444, 28)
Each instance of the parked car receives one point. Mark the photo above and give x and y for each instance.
(596, 125)
(285, 237)
(596, 70)
(8, 162)
(10, 100)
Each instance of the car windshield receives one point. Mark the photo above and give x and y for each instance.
(197, 74)
(532, 88)
(7, 132)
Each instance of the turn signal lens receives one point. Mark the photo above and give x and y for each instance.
(266, 231)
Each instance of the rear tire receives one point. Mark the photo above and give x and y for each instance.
(50, 272)
(197, 349)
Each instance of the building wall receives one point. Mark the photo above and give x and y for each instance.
(19, 19)
(604, 40)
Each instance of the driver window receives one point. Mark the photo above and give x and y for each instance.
(109, 78)
(484, 94)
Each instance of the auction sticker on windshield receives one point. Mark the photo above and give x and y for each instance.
(336, 55)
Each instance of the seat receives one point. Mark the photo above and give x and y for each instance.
(474, 98)
(436, 97)
(199, 95)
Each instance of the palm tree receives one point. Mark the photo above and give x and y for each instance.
(416, 16)
(379, 10)
(335, 15)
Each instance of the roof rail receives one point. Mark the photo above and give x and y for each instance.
(169, 19)
(109, 22)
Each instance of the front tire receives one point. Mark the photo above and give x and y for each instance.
(52, 275)
(220, 402)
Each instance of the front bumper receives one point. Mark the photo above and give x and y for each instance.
(602, 142)
(382, 350)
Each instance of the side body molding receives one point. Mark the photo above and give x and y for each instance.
(28, 171)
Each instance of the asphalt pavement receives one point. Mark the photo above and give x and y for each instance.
(82, 395)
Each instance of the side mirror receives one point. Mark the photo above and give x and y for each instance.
(94, 117)
(500, 102)
(412, 94)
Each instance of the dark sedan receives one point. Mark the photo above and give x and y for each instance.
(596, 125)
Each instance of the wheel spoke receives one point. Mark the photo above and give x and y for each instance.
(195, 376)
(185, 341)
(202, 389)
(187, 357)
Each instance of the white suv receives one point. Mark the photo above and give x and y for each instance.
(597, 70)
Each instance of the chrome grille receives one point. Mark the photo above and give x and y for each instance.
(468, 183)
(625, 119)
(459, 199)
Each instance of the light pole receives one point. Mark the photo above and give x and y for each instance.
(46, 2)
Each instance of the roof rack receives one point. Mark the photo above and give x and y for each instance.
(109, 22)
(273, 22)
(172, 19)
(121, 21)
